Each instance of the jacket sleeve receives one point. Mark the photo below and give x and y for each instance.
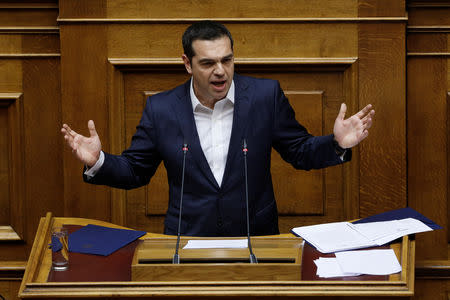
(136, 165)
(295, 145)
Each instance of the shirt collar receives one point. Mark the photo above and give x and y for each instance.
(196, 102)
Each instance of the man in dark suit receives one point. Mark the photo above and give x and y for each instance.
(213, 113)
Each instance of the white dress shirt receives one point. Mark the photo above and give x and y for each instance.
(214, 131)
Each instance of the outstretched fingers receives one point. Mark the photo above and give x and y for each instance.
(91, 127)
(342, 111)
(363, 112)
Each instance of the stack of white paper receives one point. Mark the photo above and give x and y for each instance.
(354, 263)
(341, 236)
(372, 262)
(328, 267)
(384, 232)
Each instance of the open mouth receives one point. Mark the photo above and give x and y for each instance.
(219, 84)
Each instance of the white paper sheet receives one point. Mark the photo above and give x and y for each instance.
(384, 232)
(341, 236)
(332, 237)
(209, 244)
(372, 262)
(328, 267)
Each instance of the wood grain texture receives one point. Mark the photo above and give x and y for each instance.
(382, 82)
(241, 9)
(84, 90)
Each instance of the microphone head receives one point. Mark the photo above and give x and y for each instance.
(244, 145)
(185, 147)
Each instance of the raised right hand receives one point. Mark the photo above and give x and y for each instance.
(86, 149)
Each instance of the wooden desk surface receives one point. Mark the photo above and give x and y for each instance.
(93, 276)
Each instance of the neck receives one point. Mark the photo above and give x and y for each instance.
(208, 102)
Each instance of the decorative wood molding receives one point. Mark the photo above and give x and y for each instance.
(29, 6)
(29, 55)
(12, 102)
(12, 270)
(433, 269)
(241, 64)
(7, 233)
(29, 30)
(232, 20)
(428, 29)
(428, 4)
(429, 54)
(127, 62)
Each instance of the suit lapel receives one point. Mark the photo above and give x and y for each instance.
(242, 106)
(183, 109)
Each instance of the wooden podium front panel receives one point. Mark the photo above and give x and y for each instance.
(36, 285)
(279, 259)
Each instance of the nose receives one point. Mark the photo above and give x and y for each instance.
(219, 70)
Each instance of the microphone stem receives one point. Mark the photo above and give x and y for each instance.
(253, 259)
(176, 257)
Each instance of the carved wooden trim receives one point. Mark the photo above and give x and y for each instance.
(128, 62)
(30, 29)
(433, 269)
(232, 20)
(29, 55)
(29, 6)
(428, 4)
(7, 233)
(428, 29)
(13, 103)
(448, 172)
(12, 270)
(241, 64)
(429, 54)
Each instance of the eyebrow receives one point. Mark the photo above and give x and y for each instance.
(209, 60)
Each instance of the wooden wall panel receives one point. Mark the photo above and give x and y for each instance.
(173, 9)
(428, 121)
(428, 73)
(303, 40)
(84, 90)
(31, 147)
(382, 82)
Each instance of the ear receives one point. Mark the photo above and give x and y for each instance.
(187, 63)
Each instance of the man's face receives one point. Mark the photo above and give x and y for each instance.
(212, 69)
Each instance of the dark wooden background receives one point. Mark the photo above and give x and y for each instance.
(75, 60)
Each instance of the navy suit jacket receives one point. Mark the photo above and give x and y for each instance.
(262, 115)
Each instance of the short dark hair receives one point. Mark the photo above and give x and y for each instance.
(203, 30)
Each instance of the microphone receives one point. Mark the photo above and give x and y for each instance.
(176, 257)
(253, 259)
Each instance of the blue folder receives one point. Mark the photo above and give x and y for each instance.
(93, 239)
(399, 214)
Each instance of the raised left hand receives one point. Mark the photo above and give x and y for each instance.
(350, 132)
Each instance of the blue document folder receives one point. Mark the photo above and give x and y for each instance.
(93, 239)
(399, 214)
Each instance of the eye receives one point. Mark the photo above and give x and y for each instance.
(227, 60)
(207, 64)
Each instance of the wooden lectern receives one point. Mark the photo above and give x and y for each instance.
(144, 269)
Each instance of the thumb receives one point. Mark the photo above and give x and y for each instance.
(342, 111)
(92, 130)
